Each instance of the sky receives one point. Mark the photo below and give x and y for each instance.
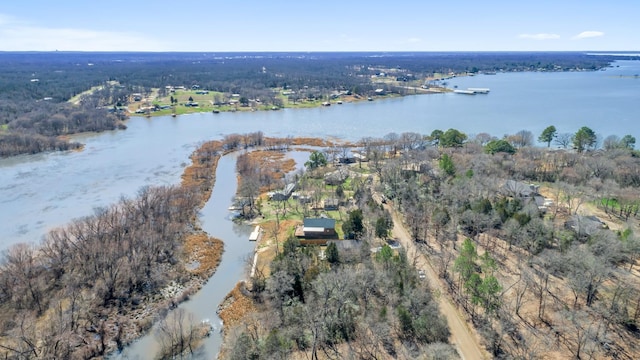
(326, 25)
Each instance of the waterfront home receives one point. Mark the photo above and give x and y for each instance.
(316, 231)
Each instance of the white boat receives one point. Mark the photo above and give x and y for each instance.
(464, 92)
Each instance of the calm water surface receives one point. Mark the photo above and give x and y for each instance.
(43, 191)
(216, 221)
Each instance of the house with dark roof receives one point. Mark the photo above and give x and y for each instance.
(346, 158)
(316, 231)
(284, 194)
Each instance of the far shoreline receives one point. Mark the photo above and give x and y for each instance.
(349, 99)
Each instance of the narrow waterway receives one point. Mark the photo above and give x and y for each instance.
(217, 221)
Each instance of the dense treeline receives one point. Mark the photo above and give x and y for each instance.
(63, 75)
(36, 126)
(15, 144)
(61, 299)
(536, 279)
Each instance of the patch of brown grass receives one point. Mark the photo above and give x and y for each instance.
(272, 164)
(308, 141)
(311, 141)
(205, 250)
(201, 173)
(266, 157)
(267, 245)
(235, 306)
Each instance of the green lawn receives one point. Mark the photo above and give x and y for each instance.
(613, 203)
(205, 103)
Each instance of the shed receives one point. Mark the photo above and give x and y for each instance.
(331, 204)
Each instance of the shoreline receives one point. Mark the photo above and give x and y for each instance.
(199, 247)
(347, 99)
(125, 320)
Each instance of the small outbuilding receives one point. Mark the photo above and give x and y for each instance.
(331, 204)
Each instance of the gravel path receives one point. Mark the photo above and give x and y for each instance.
(462, 336)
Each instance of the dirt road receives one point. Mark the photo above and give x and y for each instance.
(461, 336)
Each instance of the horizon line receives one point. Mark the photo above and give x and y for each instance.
(587, 52)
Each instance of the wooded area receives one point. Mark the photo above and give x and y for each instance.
(537, 273)
(537, 245)
(96, 284)
(539, 248)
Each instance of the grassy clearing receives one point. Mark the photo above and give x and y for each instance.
(76, 99)
(4, 127)
(611, 203)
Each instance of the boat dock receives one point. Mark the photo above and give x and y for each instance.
(479, 90)
(255, 234)
(472, 91)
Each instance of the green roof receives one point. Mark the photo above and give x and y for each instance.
(320, 223)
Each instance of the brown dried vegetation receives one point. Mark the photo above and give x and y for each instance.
(235, 306)
(204, 252)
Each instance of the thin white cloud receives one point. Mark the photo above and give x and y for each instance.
(413, 40)
(6, 19)
(18, 35)
(542, 36)
(347, 38)
(588, 35)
